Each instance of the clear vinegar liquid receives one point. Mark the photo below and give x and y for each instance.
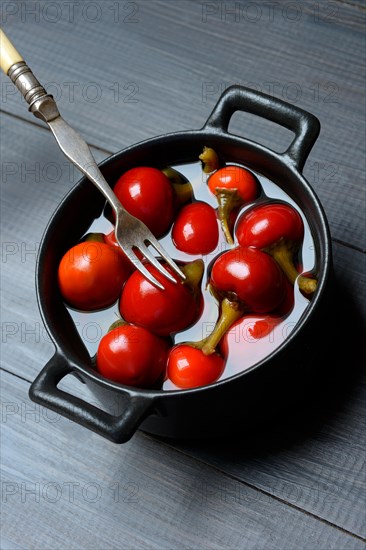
(93, 326)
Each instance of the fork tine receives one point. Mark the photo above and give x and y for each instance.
(140, 266)
(125, 226)
(151, 258)
(166, 257)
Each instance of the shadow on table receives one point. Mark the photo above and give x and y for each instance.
(322, 399)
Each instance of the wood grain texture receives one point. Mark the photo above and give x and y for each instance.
(160, 67)
(141, 495)
(325, 449)
(121, 77)
(35, 178)
(313, 457)
(313, 454)
(33, 184)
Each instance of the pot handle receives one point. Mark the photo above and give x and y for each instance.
(118, 429)
(238, 98)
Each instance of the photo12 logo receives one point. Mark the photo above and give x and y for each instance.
(70, 12)
(74, 92)
(292, 92)
(254, 12)
(70, 491)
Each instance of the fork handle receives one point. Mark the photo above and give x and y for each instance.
(9, 55)
(13, 64)
(43, 106)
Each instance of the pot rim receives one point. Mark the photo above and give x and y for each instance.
(210, 135)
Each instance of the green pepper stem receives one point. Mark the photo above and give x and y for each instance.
(183, 192)
(116, 324)
(94, 237)
(227, 199)
(230, 312)
(194, 273)
(283, 254)
(182, 187)
(210, 160)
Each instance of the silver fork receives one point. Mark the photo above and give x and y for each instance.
(131, 233)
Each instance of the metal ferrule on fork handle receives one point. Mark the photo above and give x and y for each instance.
(128, 229)
(41, 104)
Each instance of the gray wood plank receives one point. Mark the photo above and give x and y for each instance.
(175, 64)
(313, 455)
(26, 348)
(314, 462)
(33, 184)
(35, 178)
(64, 487)
(162, 68)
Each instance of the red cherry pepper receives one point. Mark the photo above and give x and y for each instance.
(250, 276)
(277, 228)
(189, 367)
(195, 230)
(91, 275)
(233, 187)
(267, 224)
(132, 356)
(244, 279)
(163, 311)
(147, 194)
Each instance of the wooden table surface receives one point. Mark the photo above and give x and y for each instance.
(123, 72)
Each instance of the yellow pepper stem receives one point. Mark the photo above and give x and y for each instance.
(227, 199)
(182, 187)
(194, 273)
(230, 312)
(283, 254)
(119, 323)
(94, 238)
(210, 160)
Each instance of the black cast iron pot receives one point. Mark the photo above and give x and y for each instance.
(242, 399)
